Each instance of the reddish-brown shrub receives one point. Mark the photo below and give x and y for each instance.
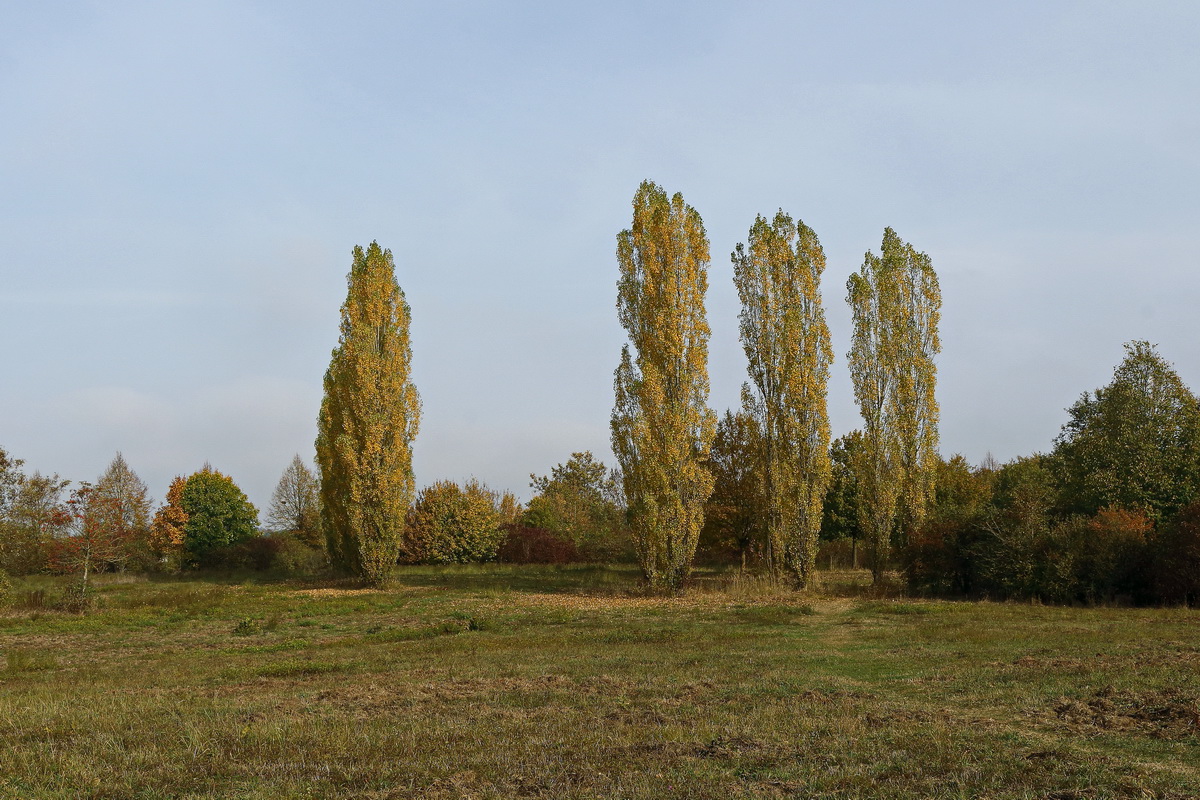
(1177, 558)
(934, 561)
(525, 545)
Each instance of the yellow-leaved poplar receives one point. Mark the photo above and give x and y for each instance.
(369, 418)
(783, 331)
(662, 428)
(896, 304)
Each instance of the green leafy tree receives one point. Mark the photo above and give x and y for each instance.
(218, 514)
(662, 428)
(296, 504)
(1134, 444)
(10, 481)
(33, 512)
(961, 490)
(783, 331)
(733, 519)
(580, 500)
(369, 418)
(452, 524)
(841, 512)
(895, 302)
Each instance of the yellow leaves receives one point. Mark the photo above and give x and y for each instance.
(896, 304)
(787, 344)
(369, 418)
(452, 524)
(170, 522)
(661, 425)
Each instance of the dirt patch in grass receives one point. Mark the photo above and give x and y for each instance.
(1166, 714)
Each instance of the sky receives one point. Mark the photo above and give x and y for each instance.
(181, 186)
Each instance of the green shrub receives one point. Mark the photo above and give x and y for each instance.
(78, 598)
(7, 596)
(294, 557)
(245, 627)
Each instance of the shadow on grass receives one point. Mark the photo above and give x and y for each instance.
(620, 579)
(625, 580)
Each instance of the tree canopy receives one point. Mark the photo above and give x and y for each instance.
(1134, 443)
(218, 514)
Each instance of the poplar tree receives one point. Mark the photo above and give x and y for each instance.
(368, 421)
(662, 428)
(783, 331)
(896, 306)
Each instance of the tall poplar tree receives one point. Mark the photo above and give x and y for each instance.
(662, 428)
(896, 305)
(783, 330)
(369, 418)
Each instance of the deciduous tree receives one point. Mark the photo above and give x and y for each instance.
(580, 500)
(88, 542)
(896, 306)
(296, 504)
(843, 504)
(218, 514)
(169, 529)
(368, 421)
(1133, 444)
(121, 504)
(778, 278)
(35, 513)
(733, 519)
(452, 524)
(662, 427)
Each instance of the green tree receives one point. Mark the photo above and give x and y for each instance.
(580, 500)
(296, 504)
(841, 512)
(662, 428)
(369, 418)
(1134, 444)
(218, 514)
(452, 524)
(10, 481)
(34, 513)
(733, 520)
(962, 490)
(895, 302)
(783, 331)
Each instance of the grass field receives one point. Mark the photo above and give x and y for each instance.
(565, 682)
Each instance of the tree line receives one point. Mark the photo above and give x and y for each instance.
(1107, 513)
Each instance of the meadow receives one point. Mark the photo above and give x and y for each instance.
(570, 682)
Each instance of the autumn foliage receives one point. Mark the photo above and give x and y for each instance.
(369, 418)
(662, 428)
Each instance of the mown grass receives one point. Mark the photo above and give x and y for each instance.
(571, 682)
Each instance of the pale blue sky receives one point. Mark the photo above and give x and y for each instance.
(181, 184)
